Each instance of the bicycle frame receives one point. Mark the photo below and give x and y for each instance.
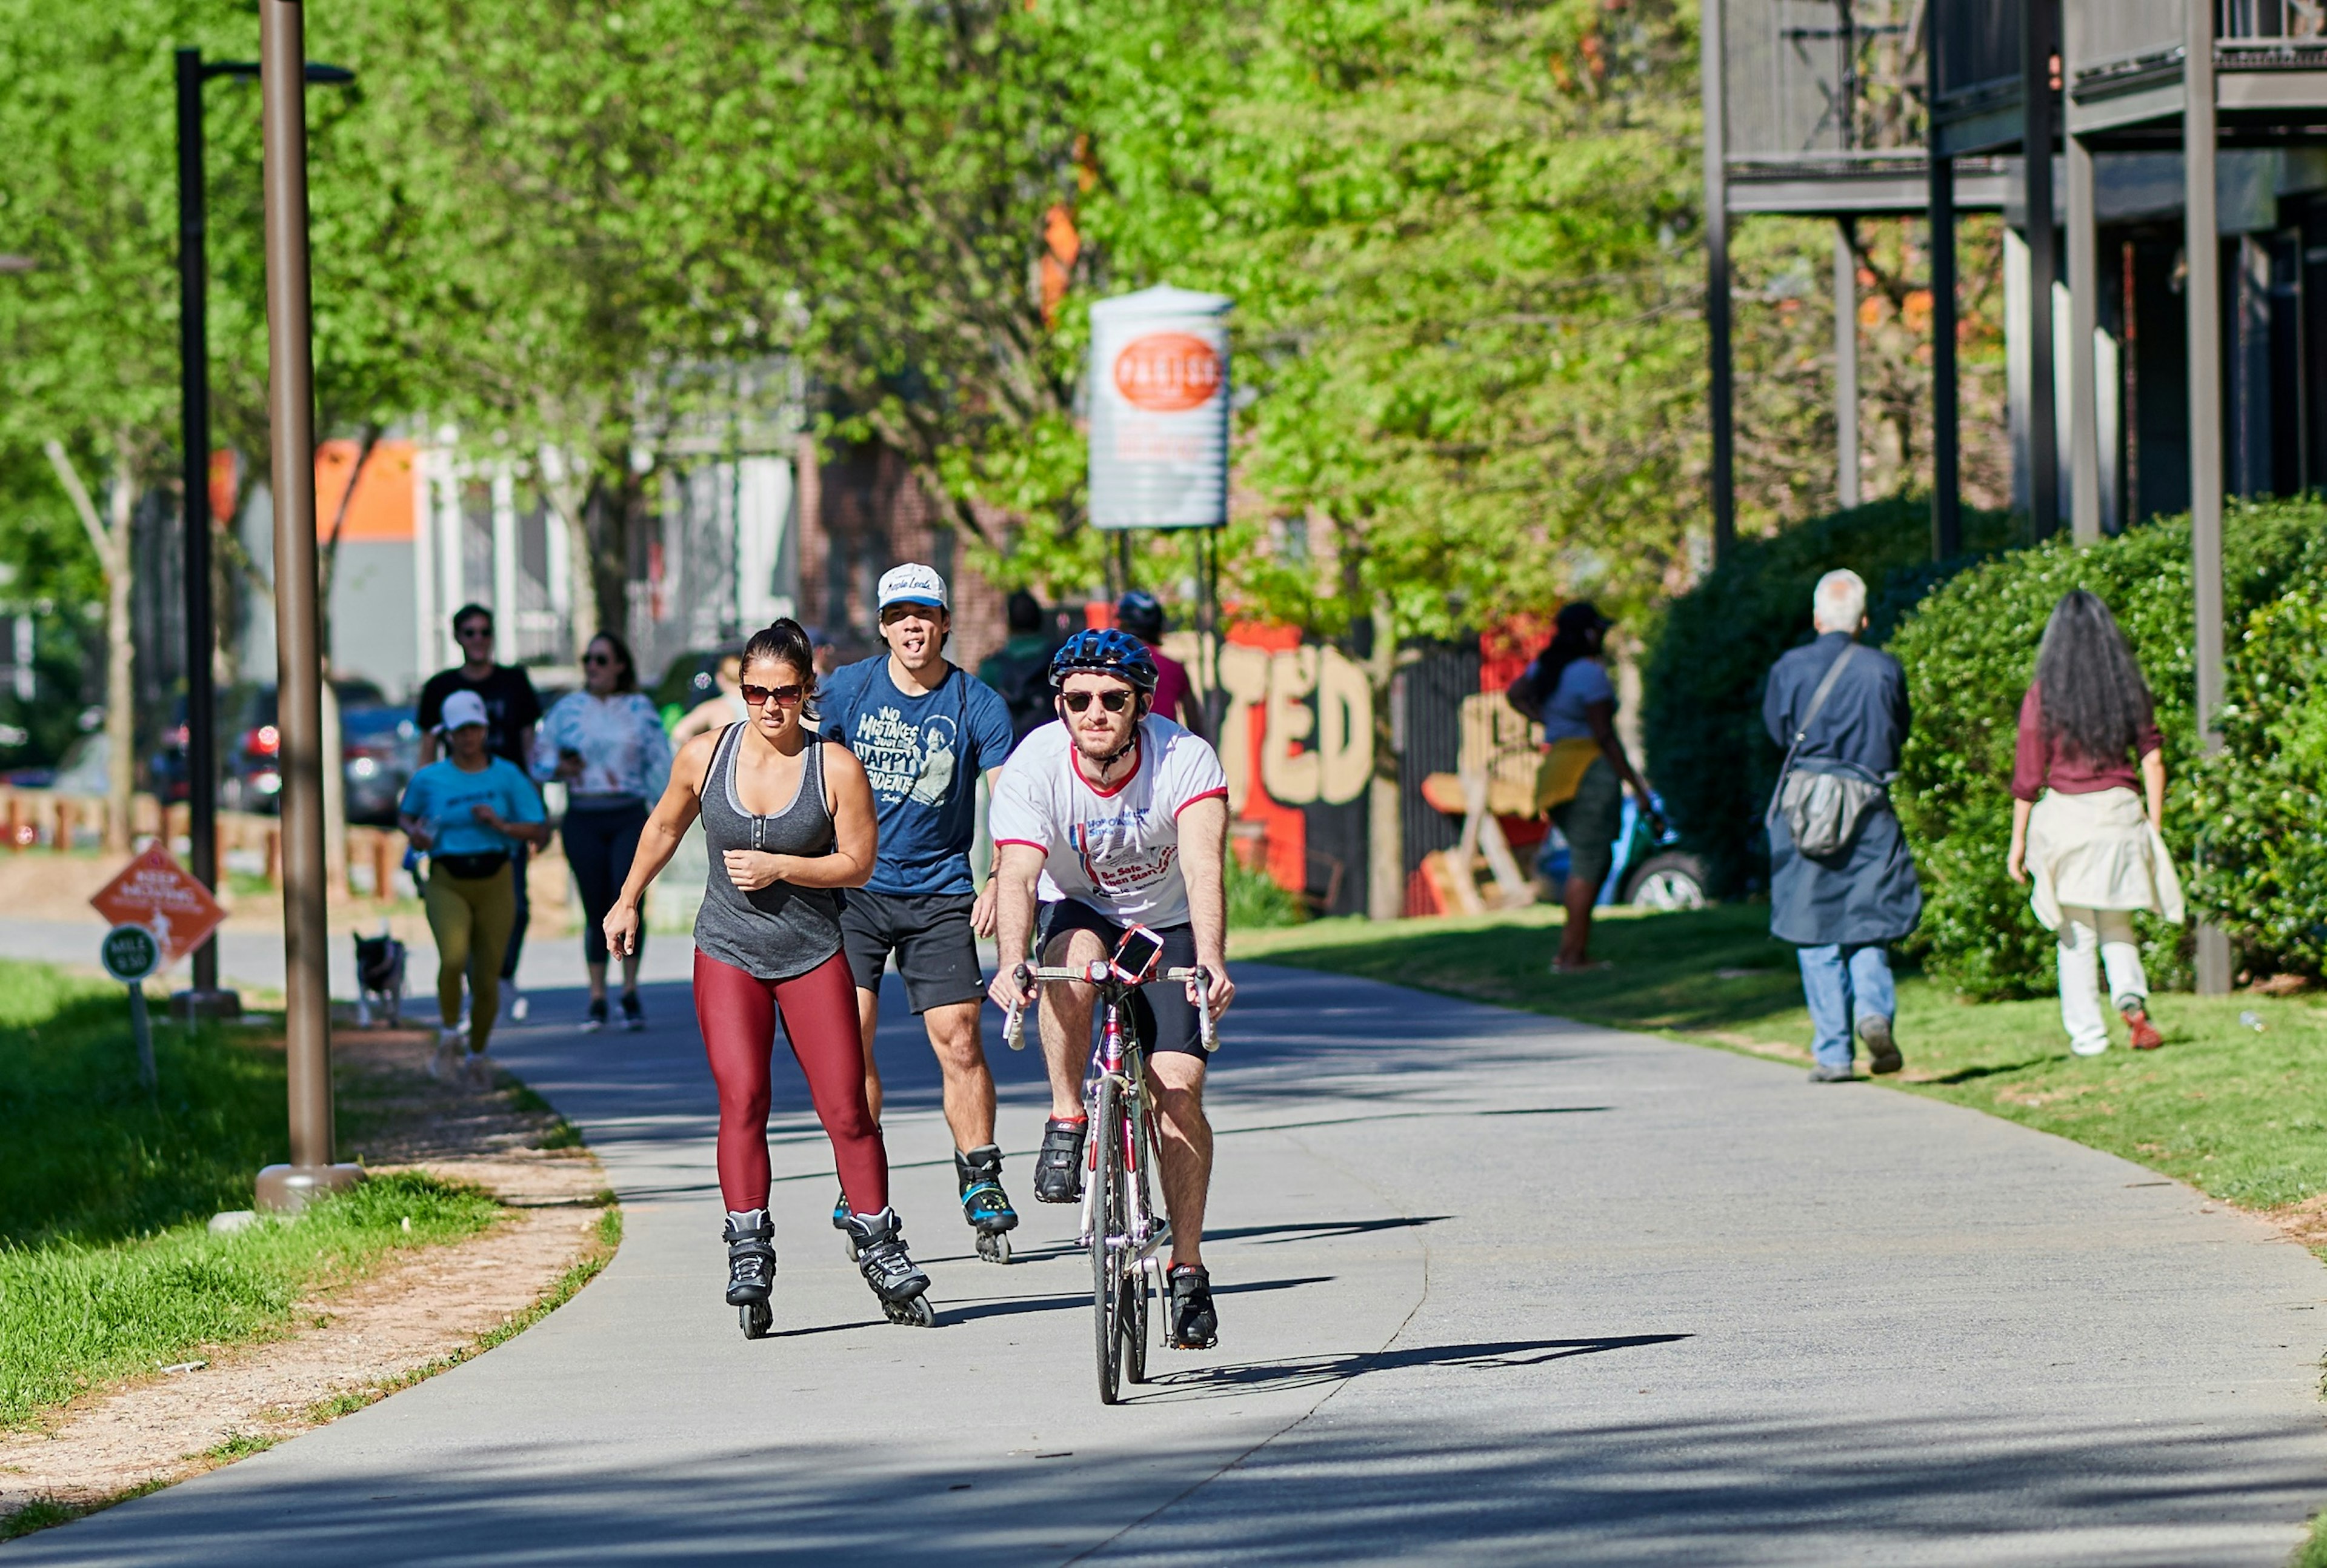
(1123, 1132)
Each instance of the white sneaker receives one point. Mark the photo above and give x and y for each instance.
(2094, 1050)
(445, 1061)
(517, 1005)
(478, 1072)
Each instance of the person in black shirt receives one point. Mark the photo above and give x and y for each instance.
(511, 710)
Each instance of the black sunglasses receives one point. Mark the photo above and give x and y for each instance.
(1114, 701)
(595, 659)
(474, 629)
(756, 696)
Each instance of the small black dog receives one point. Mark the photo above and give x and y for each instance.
(379, 976)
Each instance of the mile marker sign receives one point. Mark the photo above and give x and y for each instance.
(130, 954)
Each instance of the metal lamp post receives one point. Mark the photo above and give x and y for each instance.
(291, 420)
(205, 1000)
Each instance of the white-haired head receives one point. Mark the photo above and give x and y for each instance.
(1838, 603)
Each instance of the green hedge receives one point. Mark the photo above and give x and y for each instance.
(2263, 797)
(1969, 649)
(1711, 652)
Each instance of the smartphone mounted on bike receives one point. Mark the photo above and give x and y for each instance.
(1138, 955)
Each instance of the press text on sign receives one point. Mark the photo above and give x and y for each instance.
(1167, 372)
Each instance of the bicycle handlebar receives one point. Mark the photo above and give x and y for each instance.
(1014, 1022)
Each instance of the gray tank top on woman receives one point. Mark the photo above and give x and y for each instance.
(780, 931)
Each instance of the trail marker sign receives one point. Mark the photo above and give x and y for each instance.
(157, 893)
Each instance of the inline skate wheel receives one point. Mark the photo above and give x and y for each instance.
(848, 1244)
(757, 1318)
(993, 1246)
(915, 1314)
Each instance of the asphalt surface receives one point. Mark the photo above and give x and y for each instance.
(1493, 1289)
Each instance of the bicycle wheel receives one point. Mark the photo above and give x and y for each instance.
(1106, 1222)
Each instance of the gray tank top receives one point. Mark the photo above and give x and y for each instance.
(780, 931)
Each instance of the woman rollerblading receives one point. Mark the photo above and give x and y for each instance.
(789, 820)
(751, 1270)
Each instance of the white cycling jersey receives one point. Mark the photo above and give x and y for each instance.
(1116, 850)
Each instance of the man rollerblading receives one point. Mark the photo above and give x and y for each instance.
(926, 732)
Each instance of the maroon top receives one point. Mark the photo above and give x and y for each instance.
(1171, 683)
(2041, 762)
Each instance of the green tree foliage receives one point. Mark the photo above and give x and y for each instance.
(1970, 650)
(1460, 238)
(2263, 797)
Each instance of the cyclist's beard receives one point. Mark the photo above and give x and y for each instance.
(1102, 752)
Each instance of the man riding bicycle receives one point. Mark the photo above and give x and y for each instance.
(1115, 817)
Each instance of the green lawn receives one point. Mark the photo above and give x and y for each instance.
(107, 1266)
(2239, 1112)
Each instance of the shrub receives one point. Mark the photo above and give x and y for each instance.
(2263, 797)
(1969, 649)
(1710, 656)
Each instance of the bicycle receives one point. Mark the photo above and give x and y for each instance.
(1121, 1223)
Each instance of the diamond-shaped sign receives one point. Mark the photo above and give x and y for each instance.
(157, 893)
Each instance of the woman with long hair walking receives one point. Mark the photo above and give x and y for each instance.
(2081, 833)
(607, 743)
(1585, 769)
(788, 819)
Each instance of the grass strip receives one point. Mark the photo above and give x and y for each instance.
(73, 1315)
(2235, 1111)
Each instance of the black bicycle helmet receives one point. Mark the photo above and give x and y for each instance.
(1139, 613)
(1105, 651)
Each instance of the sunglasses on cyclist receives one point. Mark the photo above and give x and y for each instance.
(593, 660)
(756, 696)
(1114, 701)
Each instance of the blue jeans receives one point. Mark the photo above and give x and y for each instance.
(1841, 982)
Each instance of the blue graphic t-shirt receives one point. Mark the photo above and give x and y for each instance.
(924, 756)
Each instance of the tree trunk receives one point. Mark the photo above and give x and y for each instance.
(113, 557)
(1385, 820)
(335, 779)
(568, 491)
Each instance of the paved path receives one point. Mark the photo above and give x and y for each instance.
(1495, 1288)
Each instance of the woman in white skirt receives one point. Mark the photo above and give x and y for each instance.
(2079, 831)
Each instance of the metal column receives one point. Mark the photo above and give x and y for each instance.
(205, 999)
(2044, 263)
(1716, 281)
(291, 422)
(2084, 320)
(1946, 499)
(1846, 365)
(2202, 296)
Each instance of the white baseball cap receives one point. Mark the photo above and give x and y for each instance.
(462, 708)
(912, 584)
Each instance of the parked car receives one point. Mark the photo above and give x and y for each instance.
(379, 747)
(254, 777)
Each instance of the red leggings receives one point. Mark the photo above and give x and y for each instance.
(738, 1016)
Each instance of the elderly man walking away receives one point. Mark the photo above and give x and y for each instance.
(1842, 884)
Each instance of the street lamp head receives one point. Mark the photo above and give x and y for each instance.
(14, 263)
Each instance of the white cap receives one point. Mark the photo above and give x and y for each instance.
(912, 584)
(462, 708)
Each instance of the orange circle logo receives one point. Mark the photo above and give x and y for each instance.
(1167, 372)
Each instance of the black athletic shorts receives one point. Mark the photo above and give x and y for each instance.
(1167, 1020)
(936, 951)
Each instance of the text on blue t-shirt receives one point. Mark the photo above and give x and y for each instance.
(924, 756)
(442, 795)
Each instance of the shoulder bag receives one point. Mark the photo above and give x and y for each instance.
(1823, 811)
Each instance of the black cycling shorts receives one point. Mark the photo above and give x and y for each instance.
(930, 933)
(1166, 1017)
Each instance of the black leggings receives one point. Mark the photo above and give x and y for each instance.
(599, 846)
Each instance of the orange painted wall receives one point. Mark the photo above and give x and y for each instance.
(382, 509)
